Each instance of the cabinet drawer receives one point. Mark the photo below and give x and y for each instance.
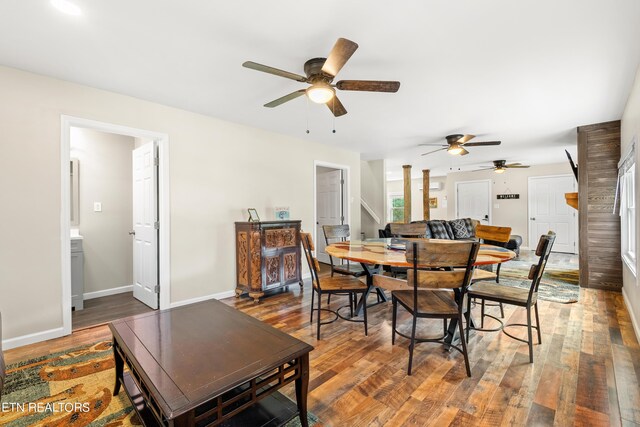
(76, 245)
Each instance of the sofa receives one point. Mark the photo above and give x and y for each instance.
(456, 229)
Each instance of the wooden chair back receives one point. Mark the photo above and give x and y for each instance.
(418, 229)
(543, 250)
(340, 232)
(308, 248)
(493, 235)
(440, 265)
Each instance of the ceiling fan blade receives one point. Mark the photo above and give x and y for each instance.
(282, 100)
(516, 166)
(339, 55)
(465, 138)
(274, 71)
(483, 169)
(434, 144)
(434, 151)
(336, 107)
(369, 85)
(480, 144)
(463, 152)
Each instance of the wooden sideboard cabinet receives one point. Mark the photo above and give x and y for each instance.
(267, 256)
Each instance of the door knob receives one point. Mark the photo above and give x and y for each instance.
(532, 219)
(132, 233)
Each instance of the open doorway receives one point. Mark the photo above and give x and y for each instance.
(331, 183)
(116, 200)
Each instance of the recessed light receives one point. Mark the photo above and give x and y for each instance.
(67, 7)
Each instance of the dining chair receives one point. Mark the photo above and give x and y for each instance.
(528, 298)
(437, 268)
(331, 285)
(418, 229)
(340, 233)
(497, 236)
(413, 230)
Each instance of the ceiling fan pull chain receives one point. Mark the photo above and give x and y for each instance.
(307, 114)
(333, 100)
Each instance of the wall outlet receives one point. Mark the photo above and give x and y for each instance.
(97, 207)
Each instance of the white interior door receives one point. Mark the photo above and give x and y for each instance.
(548, 210)
(145, 216)
(473, 200)
(329, 206)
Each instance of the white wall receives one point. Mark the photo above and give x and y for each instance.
(218, 169)
(630, 130)
(105, 176)
(511, 213)
(373, 192)
(397, 187)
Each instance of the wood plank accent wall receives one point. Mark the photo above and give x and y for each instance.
(598, 156)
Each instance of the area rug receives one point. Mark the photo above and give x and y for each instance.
(557, 284)
(71, 388)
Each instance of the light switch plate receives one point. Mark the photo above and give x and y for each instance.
(496, 206)
(97, 207)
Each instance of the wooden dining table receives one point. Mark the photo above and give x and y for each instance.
(372, 254)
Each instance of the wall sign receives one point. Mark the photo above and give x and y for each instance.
(508, 196)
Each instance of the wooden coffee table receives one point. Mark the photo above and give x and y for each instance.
(209, 364)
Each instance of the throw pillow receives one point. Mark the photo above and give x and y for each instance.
(440, 229)
(462, 228)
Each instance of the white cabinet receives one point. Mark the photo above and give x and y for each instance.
(77, 274)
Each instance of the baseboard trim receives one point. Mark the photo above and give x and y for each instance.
(10, 343)
(107, 292)
(219, 295)
(634, 322)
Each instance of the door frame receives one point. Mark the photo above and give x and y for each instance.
(164, 216)
(490, 191)
(346, 198)
(576, 233)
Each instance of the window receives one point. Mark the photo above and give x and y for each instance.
(395, 205)
(628, 212)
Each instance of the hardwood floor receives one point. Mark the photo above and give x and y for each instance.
(99, 311)
(586, 372)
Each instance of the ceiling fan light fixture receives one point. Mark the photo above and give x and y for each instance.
(500, 170)
(320, 93)
(454, 149)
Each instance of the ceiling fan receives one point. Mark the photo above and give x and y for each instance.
(320, 73)
(500, 166)
(457, 143)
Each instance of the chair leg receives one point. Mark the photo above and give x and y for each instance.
(364, 310)
(464, 346)
(393, 322)
(351, 304)
(313, 293)
(501, 310)
(535, 308)
(413, 343)
(329, 300)
(318, 320)
(468, 316)
(444, 324)
(530, 335)
(482, 314)
(498, 274)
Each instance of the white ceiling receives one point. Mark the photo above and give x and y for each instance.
(525, 72)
